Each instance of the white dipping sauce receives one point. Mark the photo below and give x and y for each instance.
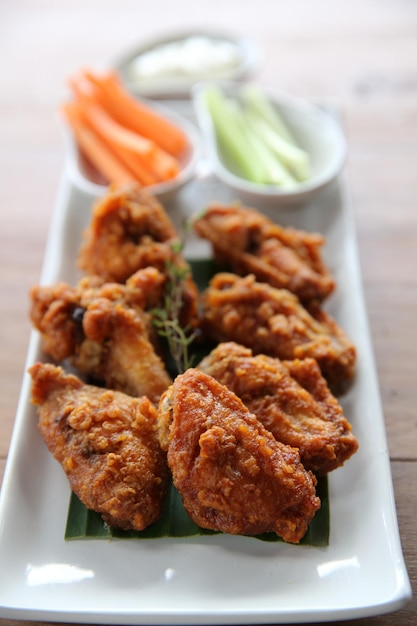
(195, 57)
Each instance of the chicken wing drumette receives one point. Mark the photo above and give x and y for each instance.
(232, 474)
(248, 242)
(105, 331)
(273, 321)
(291, 399)
(107, 445)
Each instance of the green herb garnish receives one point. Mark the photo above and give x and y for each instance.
(167, 319)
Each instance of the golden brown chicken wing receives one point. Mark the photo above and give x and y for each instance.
(104, 331)
(273, 321)
(125, 234)
(106, 443)
(291, 399)
(248, 242)
(130, 230)
(232, 474)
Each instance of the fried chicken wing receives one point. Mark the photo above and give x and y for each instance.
(104, 331)
(291, 399)
(272, 321)
(232, 474)
(107, 445)
(130, 230)
(248, 242)
(125, 234)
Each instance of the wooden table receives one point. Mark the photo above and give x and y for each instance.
(360, 55)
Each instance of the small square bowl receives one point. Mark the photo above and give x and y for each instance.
(89, 181)
(315, 130)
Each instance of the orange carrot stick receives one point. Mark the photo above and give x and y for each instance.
(136, 152)
(143, 152)
(99, 119)
(158, 164)
(135, 114)
(164, 164)
(96, 150)
(150, 162)
(142, 171)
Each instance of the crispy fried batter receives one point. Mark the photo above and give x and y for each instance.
(232, 474)
(291, 399)
(125, 234)
(104, 331)
(130, 230)
(107, 445)
(250, 243)
(273, 321)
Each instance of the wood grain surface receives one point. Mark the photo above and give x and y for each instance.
(360, 55)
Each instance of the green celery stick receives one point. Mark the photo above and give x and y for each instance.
(258, 153)
(294, 158)
(231, 138)
(276, 173)
(255, 99)
(273, 172)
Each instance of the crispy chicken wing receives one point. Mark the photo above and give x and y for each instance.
(250, 243)
(107, 445)
(104, 331)
(130, 230)
(232, 474)
(291, 399)
(272, 321)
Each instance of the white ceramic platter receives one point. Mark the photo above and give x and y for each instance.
(213, 579)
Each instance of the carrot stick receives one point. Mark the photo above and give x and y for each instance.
(150, 163)
(156, 167)
(134, 163)
(159, 164)
(136, 152)
(96, 150)
(164, 164)
(135, 114)
(142, 171)
(143, 152)
(105, 125)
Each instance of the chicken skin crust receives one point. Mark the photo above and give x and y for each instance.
(125, 233)
(130, 230)
(273, 321)
(104, 331)
(291, 399)
(232, 474)
(107, 445)
(248, 242)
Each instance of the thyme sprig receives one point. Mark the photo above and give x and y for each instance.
(166, 319)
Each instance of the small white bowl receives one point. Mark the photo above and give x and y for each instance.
(178, 81)
(315, 130)
(86, 178)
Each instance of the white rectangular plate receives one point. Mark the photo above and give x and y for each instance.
(216, 579)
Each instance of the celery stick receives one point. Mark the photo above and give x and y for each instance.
(255, 99)
(259, 155)
(294, 158)
(275, 171)
(230, 136)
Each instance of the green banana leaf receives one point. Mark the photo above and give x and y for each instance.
(175, 522)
